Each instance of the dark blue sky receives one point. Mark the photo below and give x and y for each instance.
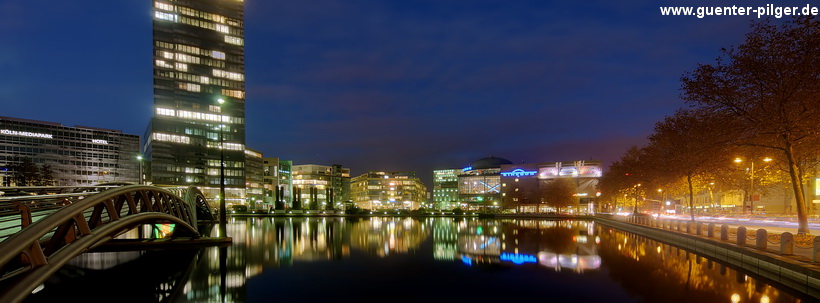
(386, 85)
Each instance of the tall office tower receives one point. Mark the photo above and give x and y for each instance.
(199, 96)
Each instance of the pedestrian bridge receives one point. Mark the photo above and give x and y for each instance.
(42, 228)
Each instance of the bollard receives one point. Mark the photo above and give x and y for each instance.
(689, 227)
(741, 235)
(786, 243)
(761, 239)
(677, 222)
(816, 250)
(699, 230)
(724, 232)
(710, 232)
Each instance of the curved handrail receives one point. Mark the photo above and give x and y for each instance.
(20, 284)
(101, 216)
(196, 199)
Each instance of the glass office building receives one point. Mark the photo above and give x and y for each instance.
(199, 96)
(76, 156)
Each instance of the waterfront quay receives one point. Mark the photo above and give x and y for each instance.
(784, 261)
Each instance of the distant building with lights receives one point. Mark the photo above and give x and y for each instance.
(522, 184)
(377, 190)
(254, 188)
(479, 185)
(79, 155)
(497, 183)
(277, 179)
(318, 185)
(199, 59)
(445, 188)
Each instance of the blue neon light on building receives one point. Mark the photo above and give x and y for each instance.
(519, 173)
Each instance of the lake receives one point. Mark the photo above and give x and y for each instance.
(408, 259)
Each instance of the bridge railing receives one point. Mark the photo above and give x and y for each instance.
(18, 212)
(30, 256)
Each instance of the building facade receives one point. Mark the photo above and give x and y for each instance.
(76, 156)
(254, 186)
(479, 185)
(277, 179)
(445, 188)
(199, 96)
(388, 190)
(321, 186)
(522, 185)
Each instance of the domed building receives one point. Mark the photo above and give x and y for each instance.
(479, 184)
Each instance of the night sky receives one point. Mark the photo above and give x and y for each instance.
(386, 85)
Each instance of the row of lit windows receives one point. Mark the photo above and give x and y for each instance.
(234, 40)
(226, 145)
(236, 164)
(233, 93)
(228, 172)
(171, 138)
(206, 80)
(198, 116)
(189, 49)
(190, 87)
(229, 75)
(253, 154)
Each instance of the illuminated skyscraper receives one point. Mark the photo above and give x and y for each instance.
(199, 59)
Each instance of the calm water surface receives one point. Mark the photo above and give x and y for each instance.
(412, 260)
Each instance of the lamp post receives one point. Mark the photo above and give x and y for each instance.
(222, 209)
(635, 210)
(139, 179)
(752, 181)
(663, 200)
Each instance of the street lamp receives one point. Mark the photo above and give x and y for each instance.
(223, 218)
(635, 211)
(139, 158)
(752, 181)
(663, 199)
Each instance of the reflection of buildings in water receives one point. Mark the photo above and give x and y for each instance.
(382, 235)
(445, 238)
(104, 260)
(631, 259)
(268, 242)
(559, 244)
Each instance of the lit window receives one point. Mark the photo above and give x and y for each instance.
(204, 79)
(223, 28)
(166, 16)
(218, 55)
(165, 111)
(172, 138)
(234, 40)
(162, 63)
(215, 108)
(190, 87)
(233, 93)
(187, 58)
(164, 6)
(167, 55)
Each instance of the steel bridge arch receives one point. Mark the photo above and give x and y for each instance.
(30, 256)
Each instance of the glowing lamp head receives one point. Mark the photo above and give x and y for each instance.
(221, 101)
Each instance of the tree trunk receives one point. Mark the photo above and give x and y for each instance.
(691, 197)
(797, 187)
